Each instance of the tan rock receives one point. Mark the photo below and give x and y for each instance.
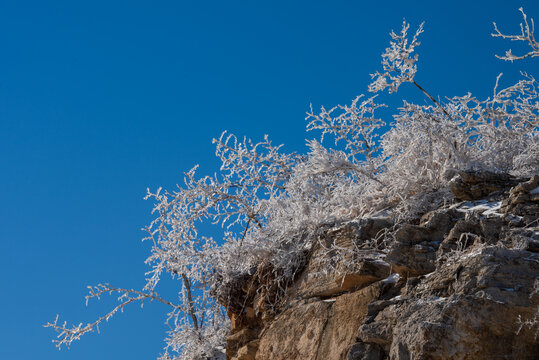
(334, 283)
(317, 329)
(239, 339)
(348, 312)
(247, 352)
(338, 264)
(295, 333)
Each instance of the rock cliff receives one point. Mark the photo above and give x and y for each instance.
(461, 282)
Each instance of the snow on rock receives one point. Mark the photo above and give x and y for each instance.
(484, 207)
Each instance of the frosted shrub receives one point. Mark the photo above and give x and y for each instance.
(273, 206)
(425, 147)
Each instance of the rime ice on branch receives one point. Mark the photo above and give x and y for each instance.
(398, 62)
(526, 35)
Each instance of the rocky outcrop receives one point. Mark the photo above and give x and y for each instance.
(473, 185)
(461, 282)
(467, 309)
(523, 200)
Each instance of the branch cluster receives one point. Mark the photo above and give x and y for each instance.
(526, 35)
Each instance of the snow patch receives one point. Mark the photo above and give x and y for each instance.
(431, 299)
(382, 214)
(392, 279)
(484, 207)
(380, 262)
(472, 254)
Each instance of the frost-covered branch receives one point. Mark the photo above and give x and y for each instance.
(249, 174)
(397, 61)
(526, 35)
(399, 65)
(66, 335)
(355, 125)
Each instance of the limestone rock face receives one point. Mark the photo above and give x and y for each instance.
(467, 309)
(473, 185)
(317, 329)
(524, 200)
(461, 282)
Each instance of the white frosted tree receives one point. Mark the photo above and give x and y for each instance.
(271, 204)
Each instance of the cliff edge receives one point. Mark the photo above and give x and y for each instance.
(461, 282)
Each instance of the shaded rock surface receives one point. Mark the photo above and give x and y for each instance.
(461, 282)
(473, 185)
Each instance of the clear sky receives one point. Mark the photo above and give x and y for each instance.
(101, 99)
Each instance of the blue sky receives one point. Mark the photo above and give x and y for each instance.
(100, 100)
